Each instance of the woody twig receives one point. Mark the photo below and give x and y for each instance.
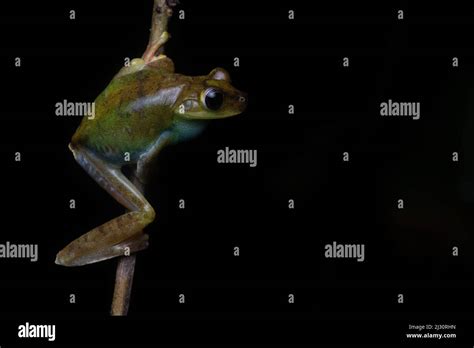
(162, 11)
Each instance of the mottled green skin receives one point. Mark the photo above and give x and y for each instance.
(137, 107)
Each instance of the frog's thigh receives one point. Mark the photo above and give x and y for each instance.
(96, 245)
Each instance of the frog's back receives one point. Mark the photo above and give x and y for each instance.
(129, 115)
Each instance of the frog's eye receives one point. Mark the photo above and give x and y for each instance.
(213, 99)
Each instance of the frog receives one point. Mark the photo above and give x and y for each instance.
(146, 107)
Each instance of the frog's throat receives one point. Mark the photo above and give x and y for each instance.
(184, 130)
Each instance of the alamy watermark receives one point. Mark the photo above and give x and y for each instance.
(67, 108)
(228, 155)
(19, 251)
(393, 108)
(28, 330)
(345, 251)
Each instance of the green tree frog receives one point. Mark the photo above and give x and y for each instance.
(146, 107)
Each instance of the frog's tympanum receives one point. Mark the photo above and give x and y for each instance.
(144, 108)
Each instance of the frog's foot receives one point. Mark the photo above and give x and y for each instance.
(136, 64)
(130, 246)
(110, 239)
(153, 47)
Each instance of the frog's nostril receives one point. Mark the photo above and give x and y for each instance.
(242, 99)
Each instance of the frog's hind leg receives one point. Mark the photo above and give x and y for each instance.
(113, 237)
(127, 247)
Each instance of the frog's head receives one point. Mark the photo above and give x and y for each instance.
(211, 97)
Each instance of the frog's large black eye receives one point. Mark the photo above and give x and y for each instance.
(213, 98)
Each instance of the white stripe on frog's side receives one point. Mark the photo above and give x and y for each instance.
(165, 96)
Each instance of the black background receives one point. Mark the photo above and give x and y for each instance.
(244, 299)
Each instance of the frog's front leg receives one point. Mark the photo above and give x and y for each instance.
(108, 240)
(146, 159)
